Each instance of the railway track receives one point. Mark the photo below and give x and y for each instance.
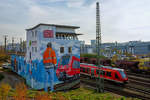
(141, 83)
(137, 89)
(127, 90)
(141, 79)
(138, 75)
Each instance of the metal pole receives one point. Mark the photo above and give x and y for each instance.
(12, 49)
(5, 41)
(20, 45)
(100, 80)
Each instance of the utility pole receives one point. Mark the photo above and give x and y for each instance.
(23, 46)
(20, 44)
(100, 81)
(5, 42)
(12, 49)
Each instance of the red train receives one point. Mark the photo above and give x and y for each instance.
(68, 67)
(108, 73)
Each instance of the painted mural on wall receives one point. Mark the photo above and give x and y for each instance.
(50, 63)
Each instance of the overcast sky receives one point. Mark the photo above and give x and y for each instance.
(121, 20)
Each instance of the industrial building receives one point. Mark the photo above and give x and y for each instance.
(133, 47)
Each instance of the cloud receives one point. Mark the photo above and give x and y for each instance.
(121, 20)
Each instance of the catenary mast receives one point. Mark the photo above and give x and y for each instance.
(100, 87)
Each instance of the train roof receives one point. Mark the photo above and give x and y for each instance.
(108, 67)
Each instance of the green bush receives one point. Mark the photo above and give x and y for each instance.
(4, 58)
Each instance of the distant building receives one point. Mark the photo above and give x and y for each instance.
(140, 48)
(86, 48)
(132, 47)
(16, 47)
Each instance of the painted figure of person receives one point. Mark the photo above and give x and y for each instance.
(50, 61)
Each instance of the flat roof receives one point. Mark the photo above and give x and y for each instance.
(64, 26)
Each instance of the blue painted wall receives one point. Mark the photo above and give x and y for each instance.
(34, 73)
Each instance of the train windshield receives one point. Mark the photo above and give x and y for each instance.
(65, 60)
(122, 74)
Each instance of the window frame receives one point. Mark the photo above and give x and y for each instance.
(108, 74)
(69, 49)
(62, 49)
(75, 62)
(35, 48)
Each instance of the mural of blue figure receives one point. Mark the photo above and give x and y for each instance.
(49, 61)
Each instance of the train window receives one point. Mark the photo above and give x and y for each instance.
(116, 76)
(122, 74)
(93, 61)
(88, 70)
(85, 59)
(103, 72)
(76, 64)
(83, 69)
(64, 60)
(97, 71)
(108, 74)
(92, 71)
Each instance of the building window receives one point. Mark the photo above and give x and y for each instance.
(32, 33)
(69, 49)
(61, 49)
(35, 33)
(32, 49)
(30, 55)
(57, 36)
(35, 49)
(149, 47)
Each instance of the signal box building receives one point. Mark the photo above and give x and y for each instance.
(63, 52)
(63, 38)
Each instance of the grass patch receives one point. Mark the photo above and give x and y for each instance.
(6, 70)
(77, 94)
(1, 77)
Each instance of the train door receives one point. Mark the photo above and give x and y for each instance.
(97, 73)
(103, 73)
(82, 69)
(92, 73)
(116, 76)
(108, 75)
(87, 70)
